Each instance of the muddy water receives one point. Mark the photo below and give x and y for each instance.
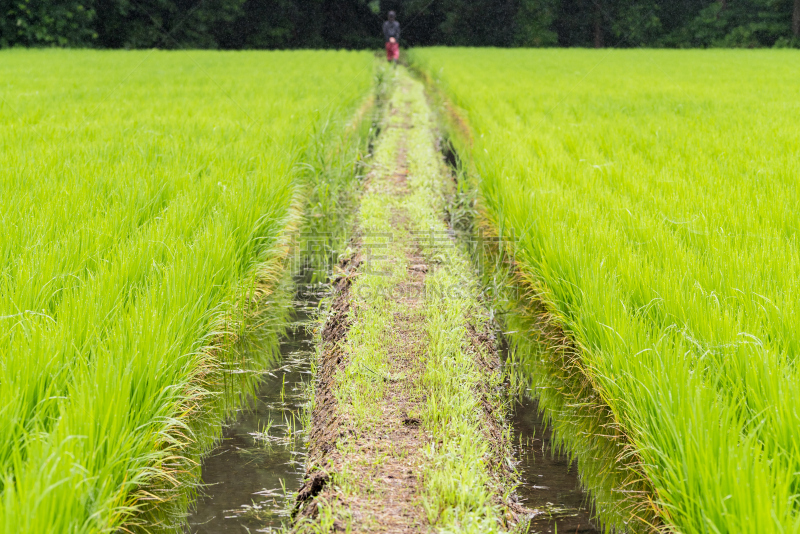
(549, 482)
(261, 457)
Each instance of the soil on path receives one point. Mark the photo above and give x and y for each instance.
(370, 450)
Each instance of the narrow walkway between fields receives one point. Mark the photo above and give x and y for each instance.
(409, 430)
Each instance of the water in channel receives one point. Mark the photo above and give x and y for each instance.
(260, 459)
(549, 480)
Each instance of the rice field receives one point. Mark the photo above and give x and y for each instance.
(651, 197)
(147, 201)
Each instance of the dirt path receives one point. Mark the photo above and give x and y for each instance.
(409, 430)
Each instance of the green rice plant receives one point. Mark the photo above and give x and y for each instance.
(650, 199)
(148, 202)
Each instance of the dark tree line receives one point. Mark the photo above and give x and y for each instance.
(238, 24)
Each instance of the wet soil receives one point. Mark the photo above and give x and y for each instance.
(386, 485)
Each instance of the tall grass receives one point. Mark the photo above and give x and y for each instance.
(652, 199)
(146, 200)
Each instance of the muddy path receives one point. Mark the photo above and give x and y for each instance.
(409, 431)
(412, 428)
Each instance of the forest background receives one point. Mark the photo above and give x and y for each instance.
(356, 24)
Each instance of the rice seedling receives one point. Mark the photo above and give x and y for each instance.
(650, 198)
(148, 201)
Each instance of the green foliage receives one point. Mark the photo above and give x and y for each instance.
(637, 23)
(534, 22)
(163, 23)
(146, 196)
(47, 23)
(650, 198)
(237, 24)
(742, 24)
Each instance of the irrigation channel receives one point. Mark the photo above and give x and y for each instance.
(411, 425)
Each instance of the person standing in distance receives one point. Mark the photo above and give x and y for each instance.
(391, 31)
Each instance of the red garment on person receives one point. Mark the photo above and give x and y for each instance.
(392, 51)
